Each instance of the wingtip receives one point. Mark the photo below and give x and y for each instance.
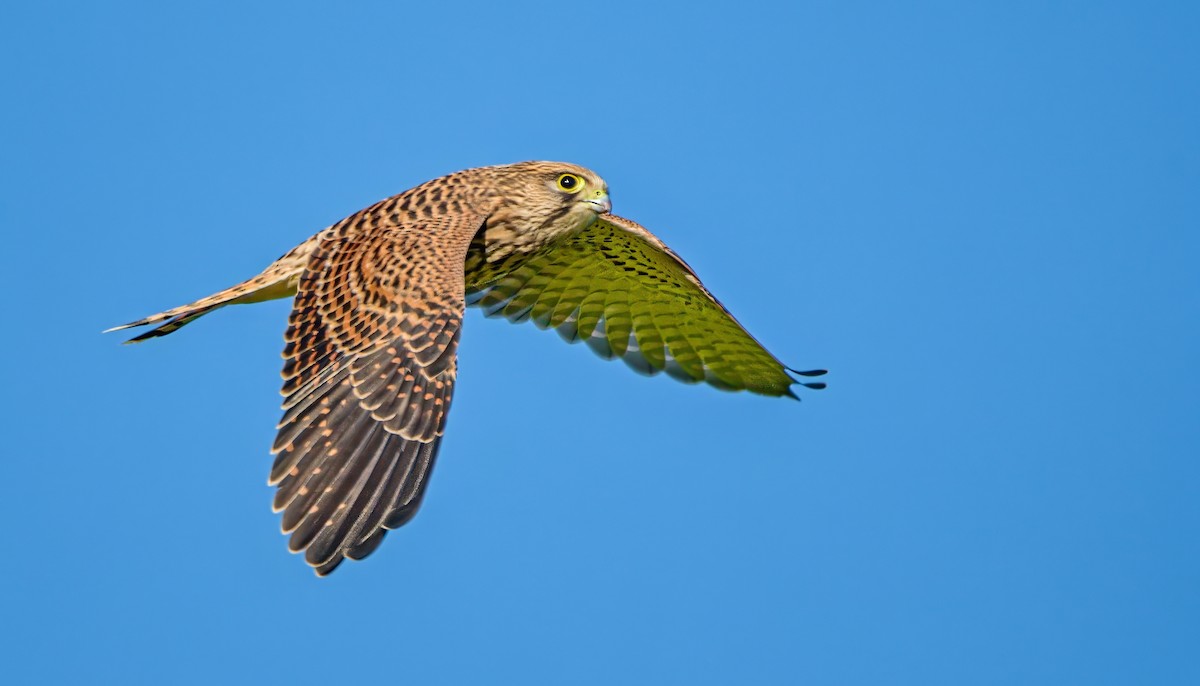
(324, 570)
(813, 385)
(809, 372)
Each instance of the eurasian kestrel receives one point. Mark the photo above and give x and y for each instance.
(379, 297)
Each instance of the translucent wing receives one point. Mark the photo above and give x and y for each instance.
(619, 289)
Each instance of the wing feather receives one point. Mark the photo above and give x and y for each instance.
(369, 373)
(623, 292)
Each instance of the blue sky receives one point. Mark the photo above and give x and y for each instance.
(981, 217)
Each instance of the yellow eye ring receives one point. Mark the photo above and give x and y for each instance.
(570, 183)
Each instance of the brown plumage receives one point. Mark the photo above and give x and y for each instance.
(371, 341)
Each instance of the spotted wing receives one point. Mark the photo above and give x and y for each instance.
(368, 376)
(619, 289)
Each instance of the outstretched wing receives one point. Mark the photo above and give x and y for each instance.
(619, 289)
(370, 368)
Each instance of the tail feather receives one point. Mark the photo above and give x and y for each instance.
(154, 318)
(279, 280)
(271, 284)
(172, 324)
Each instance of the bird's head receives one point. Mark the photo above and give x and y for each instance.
(549, 199)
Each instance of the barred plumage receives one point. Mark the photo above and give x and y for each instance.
(370, 349)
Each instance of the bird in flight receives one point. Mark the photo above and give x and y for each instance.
(370, 354)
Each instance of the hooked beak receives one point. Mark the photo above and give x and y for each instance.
(599, 201)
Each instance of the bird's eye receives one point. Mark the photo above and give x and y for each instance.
(570, 183)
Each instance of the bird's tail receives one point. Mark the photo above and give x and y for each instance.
(269, 285)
